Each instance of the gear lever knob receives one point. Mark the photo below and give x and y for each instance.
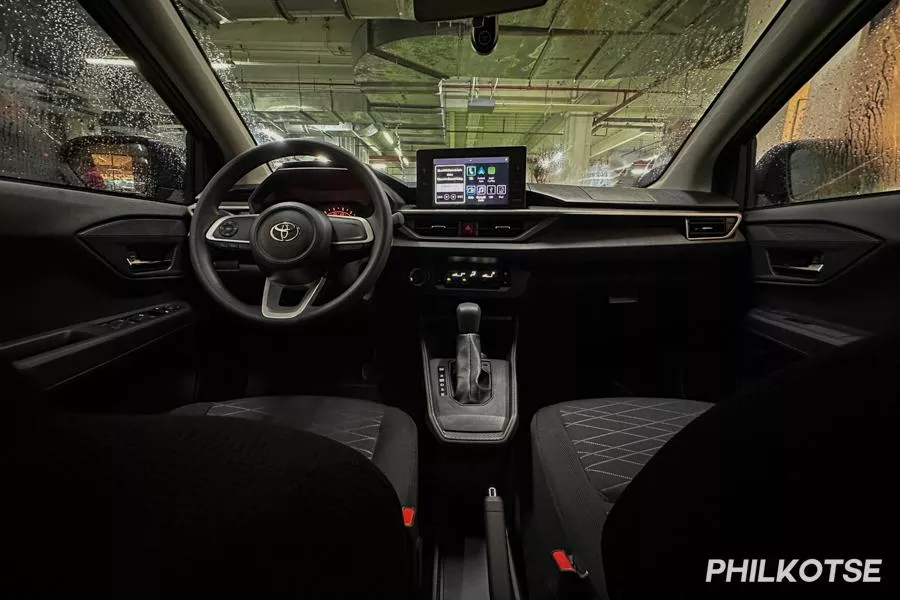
(468, 317)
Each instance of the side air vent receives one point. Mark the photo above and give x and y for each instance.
(708, 228)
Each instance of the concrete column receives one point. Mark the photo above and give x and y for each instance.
(576, 146)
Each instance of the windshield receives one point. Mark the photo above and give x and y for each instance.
(599, 91)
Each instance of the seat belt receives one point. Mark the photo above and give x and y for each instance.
(572, 582)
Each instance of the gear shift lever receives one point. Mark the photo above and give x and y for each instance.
(468, 318)
(472, 383)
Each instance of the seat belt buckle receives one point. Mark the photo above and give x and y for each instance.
(572, 582)
(565, 563)
(409, 516)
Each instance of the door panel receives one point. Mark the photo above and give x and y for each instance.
(857, 290)
(805, 253)
(139, 248)
(73, 304)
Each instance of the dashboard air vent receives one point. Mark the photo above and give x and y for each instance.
(430, 227)
(707, 228)
(505, 229)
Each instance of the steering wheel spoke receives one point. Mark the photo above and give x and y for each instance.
(352, 237)
(231, 231)
(274, 294)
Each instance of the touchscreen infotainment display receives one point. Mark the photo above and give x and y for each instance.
(471, 181)
(471, 178)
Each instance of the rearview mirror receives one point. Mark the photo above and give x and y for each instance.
(813, 169)
(448, 10)
(124, 164)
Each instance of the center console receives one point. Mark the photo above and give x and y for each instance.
(470, 377)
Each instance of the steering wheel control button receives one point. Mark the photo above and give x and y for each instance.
(228, 229)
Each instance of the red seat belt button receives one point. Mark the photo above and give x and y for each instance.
(563, 562)
(409, 515)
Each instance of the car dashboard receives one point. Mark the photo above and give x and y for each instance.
(559, 229)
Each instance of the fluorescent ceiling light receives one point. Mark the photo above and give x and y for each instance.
(111, 61)
(387, 136)
(121, 61)
(331, 126)
(323, 159)
(399, 153)
(404, 161)
(379, 166)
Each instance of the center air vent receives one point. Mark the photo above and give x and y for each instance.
(435, 227)
(708, 228)
(429, 227)
(501, 229)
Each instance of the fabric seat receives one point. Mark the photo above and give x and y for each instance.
(646, 494)
(174, 506)
(584, 455)
(385, 435)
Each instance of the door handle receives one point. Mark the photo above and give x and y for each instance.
(136, 264)
(810, 269)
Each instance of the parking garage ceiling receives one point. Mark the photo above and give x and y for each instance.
(346, 67)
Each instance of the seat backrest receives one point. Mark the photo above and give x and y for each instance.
(175, 506)
(801, 465)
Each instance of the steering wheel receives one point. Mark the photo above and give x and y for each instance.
(296, 246)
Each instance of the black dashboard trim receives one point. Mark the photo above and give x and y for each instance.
(565, 211)
(632, 246)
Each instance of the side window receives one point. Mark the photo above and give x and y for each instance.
(74, 111)
(838, 137)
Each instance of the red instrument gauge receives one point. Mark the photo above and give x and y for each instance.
(340, 211)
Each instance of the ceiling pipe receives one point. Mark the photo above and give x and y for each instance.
(599, 120)
(389, 87)
(534, 88)
(283, 11)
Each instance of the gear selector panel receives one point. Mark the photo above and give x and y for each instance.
(471, 397)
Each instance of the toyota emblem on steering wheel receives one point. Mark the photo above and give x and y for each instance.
(284, 231)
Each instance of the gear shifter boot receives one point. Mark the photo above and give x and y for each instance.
(472, 383)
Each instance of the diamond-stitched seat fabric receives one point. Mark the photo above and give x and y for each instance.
(354, 423)
(615, 437)
(384, 434)
(584, 455)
